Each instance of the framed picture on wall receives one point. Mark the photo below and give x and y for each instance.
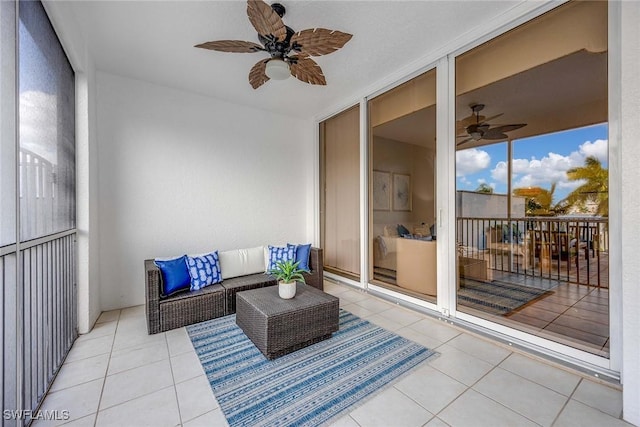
(381, 191)
(401, 192)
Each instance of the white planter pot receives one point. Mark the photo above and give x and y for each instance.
(287, 290)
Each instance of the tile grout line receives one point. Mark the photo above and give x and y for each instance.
(499, 403)
(142, 395)
(173, 378)
(488, 397)
(104, 380)
(575, 388)
(542, 385)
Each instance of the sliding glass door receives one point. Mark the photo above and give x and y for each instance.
(340, 193)
(532, 178)
(523, 248)
(402, 182)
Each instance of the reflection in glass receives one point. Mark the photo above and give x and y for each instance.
(402, 187)
(532, 179)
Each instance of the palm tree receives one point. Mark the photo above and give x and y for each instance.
(539, 200)
(594, 190)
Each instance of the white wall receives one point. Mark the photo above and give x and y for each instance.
(418, 162)
(182, 173)
(630, 209)
(472, 204)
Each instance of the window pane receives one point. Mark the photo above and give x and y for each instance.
(532, 178)
(47, 145)
(7, 124)
(340, 152)
(402, 187)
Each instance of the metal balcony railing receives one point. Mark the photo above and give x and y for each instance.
(573, 250)
(39, 316)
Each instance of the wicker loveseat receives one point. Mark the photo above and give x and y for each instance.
(188, 307)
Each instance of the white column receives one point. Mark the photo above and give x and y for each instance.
(630, 206)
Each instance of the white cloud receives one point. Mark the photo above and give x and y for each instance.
(550, 168)
(500, 172)
(471, 161)
(598, 149)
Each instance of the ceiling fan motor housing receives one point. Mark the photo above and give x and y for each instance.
(275, 48)
(279, 9)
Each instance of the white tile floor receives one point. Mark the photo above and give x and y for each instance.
(117, 375)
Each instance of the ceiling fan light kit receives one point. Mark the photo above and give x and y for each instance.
(277, 69)
(290, 51)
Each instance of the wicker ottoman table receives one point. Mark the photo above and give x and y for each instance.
(278, 326)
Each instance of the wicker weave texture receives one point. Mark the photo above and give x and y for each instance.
(186, 311)
(214, 301)
(181, 309)
(152, 293)
(316, 263)
(244, 283)
(277, 326)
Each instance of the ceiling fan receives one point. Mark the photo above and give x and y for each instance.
(477, 128)
(290, 51)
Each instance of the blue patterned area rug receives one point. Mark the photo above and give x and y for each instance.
(310, 387)
(497, 297)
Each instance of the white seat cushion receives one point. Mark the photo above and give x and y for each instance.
(241, 262)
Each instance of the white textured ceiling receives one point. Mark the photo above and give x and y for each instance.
(153, 41)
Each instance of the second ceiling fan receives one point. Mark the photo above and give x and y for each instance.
(478, 129)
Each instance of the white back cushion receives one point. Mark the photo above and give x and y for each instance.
(240, 262)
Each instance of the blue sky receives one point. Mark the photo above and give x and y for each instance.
(538, 161)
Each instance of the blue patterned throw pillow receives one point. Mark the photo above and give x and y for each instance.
(280, 254)
(204, 270)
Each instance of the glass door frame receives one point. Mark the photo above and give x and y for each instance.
(445, 306)
(607, 366)
(366, 169)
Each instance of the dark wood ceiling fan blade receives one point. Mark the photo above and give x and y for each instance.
(508, 128)
(237, 46)
(319, 41)
(470, 120)
(265, 20)
(307, 70)
(461, 125)
(488, 119)
(257, 75)
(495, 135)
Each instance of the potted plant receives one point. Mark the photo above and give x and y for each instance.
(287, 273)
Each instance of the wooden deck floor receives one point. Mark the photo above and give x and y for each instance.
(573, 314)
(591, 271)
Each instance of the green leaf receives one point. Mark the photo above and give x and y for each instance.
(288, 271)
